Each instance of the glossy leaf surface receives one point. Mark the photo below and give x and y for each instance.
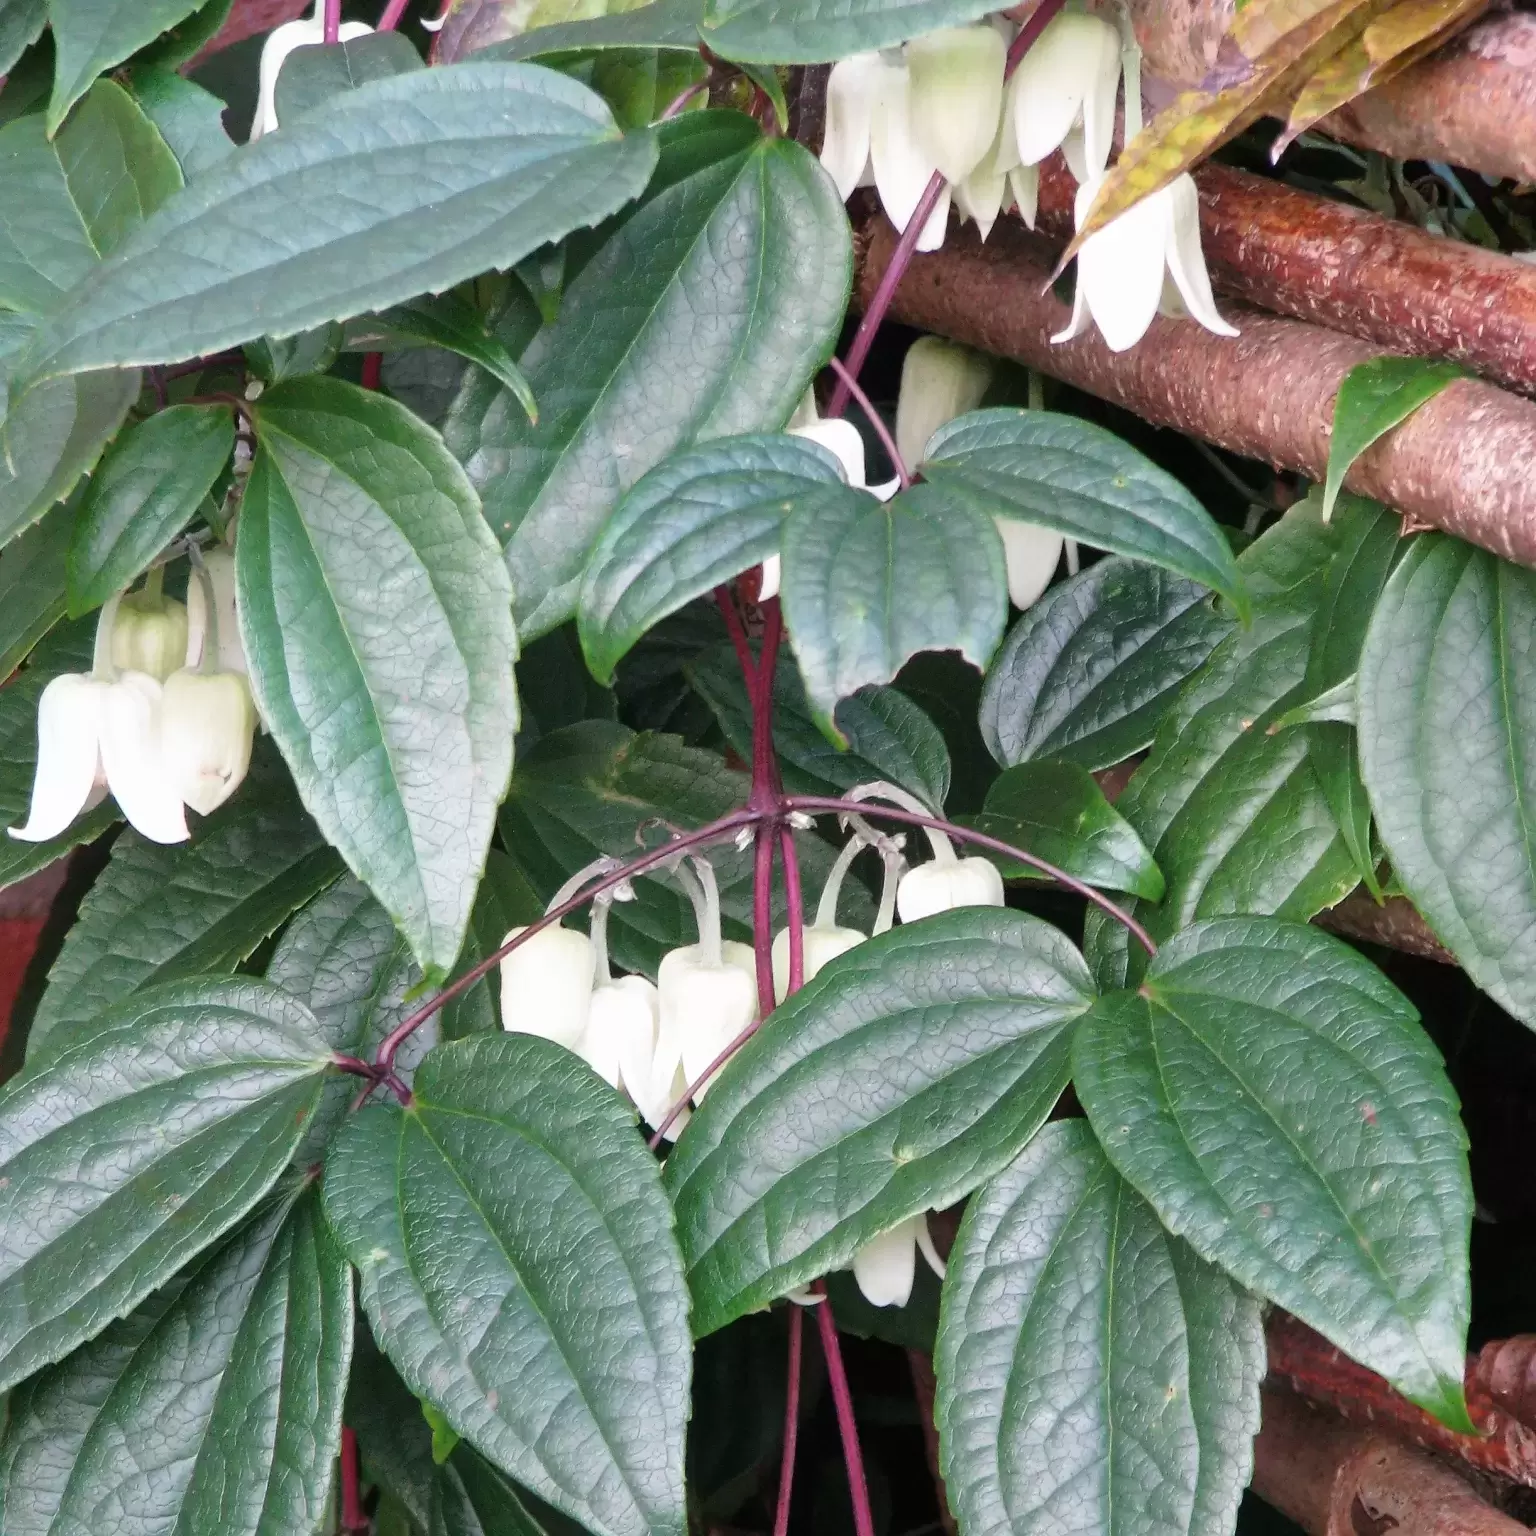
(931, 1054)
(1093, 1373)
(1276, 1100)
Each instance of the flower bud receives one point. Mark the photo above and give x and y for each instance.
(149, 635)
(942, 884)
(940, 380)
(546, 985)
(207, 721)
(820, 946)
(956, 96)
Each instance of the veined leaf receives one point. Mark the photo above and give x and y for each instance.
(889, 737)
(515, 1182)
(1088, 672)
(216, 1409)
(1447, 708)
(933, 1052)
(90, 36)
(1063, 473)
(699, 518)
(1375, 397)
(1275, 1099)
(185, 1107)
(159, 913)
(377, 620)
(32, 586)
(71, 201)
(746, 228)
(181, 43)
(189, 119)
(820, 31)
(21, 24)
(146, 490)
(314, 74)
(467, 168)
(667, 24)
(868, 584)
(1093, 1373)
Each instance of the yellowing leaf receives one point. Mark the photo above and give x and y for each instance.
(1417, 25)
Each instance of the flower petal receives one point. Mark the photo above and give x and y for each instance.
(773, 576)
(1054, 78)
(68, 755)
(956, 98)
(1099, 103)
(1120, 270)
(1186, 261)
(841, 439)
(1031, 554)
(902, 168)
(886, 1267)
(937, 226)
(851, 89)
(132, 760)
(1024, 184)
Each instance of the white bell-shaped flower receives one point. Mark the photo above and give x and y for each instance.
(546, 985)
(1062, 95)
(149, 631)
(1147, 260)
(956, 95)
(1031, 554)
(940, 380)
(886, 1267)
(207, 723)
(99, 733)
(302, 33)
(220, 566)
(998, 180)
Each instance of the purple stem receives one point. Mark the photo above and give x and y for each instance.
(332, 32)
(791, 1422)
(762, 915)
(906, 247)
(847, 381)
(392, 14)
(716, 831)
(765, 798)
(692, 1089)
(681, 100)
(842, 1400)
(726, 603)
(825, 805)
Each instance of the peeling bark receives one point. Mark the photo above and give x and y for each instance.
(1473, 103)
(1465, 462)
(1376, 278)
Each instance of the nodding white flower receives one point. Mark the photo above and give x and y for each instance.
(1144, 262)
(842, 440)
(1031, 554)
(207, 723)
(220, 566)
(303, 33)
(546, 984)
(869, 141)
(955, 95)
(940, 380)
(887, 1267)
(1062, 95)
(1000, 179)
(149, 631)
(99, 733)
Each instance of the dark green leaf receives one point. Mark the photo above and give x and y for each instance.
(505, 901)
(51, 436)
(868, 584)
(67, 649)
(312, 75)
(516, 1182)
(1447, 708)
(344, 959)
(932, 1054)
(1234, 815)
(180, 44)
(189, 119)
(1058, 812)
(589, 789)
(376, 617)
(819, 31)
(1274, 1097)
(1089, 671)
(71, 201)
(220, 1411)
(274, 359)
(21, 24)
(1083, 481)
(699, 518)
(1375, 397)
(32, 586)
(668, 24)
(1093, 1373)
(90, 36)
(184, 1107)
(146, 490)
(453, 323)
(746, 228)
(889, 737)
(1370, 537)
(467, 168)
(160, 913)
(471, 1498)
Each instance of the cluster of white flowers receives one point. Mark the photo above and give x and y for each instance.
(162, 721)
(941, 105)
(655, 1042)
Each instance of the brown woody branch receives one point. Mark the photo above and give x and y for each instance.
(1465, 462)
(1473, 103)
(1376, 278)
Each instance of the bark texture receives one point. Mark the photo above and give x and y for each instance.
(1465, 462)
(1395, 924)
(1376, 278)
(1473, 103)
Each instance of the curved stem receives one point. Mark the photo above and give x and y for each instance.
(692, 1089)
(681, 100)
(602, 971)
(826, 908)
(709, 915)
(791, 1422)
(842, 1400)
(943, 849)
(208, 662)
(826, 805)
(390, 20)
(101, 654)
(791, 859)
(714, 832)
(847, 381)
(892, 861)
